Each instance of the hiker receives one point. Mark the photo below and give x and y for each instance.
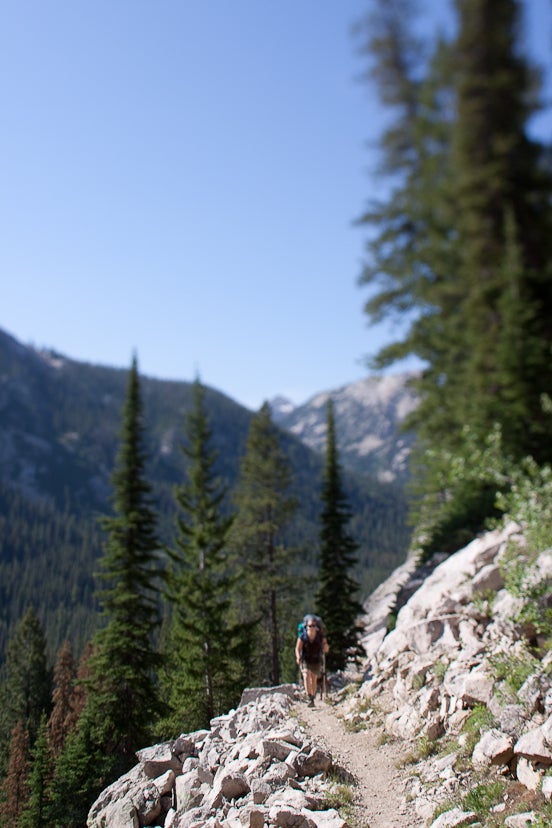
(310, 649)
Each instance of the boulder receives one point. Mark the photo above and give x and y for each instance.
(157, 759)
(533, 745)
(528, 775)
(494, 748)
(454, 819)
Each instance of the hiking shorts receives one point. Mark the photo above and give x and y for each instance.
(312, 667)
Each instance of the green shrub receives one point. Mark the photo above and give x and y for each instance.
(513, 670)
(481, 798)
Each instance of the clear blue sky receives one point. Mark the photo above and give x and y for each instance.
(180, 178)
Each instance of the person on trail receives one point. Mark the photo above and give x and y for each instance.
(310, 649)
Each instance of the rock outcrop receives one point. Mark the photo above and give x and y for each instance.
(448, 673)
(253, 767)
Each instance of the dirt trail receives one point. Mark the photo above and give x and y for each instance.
(376, 767)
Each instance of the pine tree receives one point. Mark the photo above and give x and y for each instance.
(123, 688)
(64, 716)
(264, 508)
(34, 812)
(122, 694)
(15, 788)
(202, 675)
(503, 195)
(26, 683)
(462, 247)
(335, 601)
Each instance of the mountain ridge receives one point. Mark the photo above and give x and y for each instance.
(59, 432)
(369, 415)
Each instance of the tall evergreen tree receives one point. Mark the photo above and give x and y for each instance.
(122, 693)
(202, 675)
(264, 507)
(123, 688)
(34, 812)
(504, 232)
(26, 683)
(336, 600)
(462, 245)
(64, 716)
(15, 788)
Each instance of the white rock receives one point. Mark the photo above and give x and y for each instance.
(528, 775)
(520, 820)
(494, 747)
(454, 818)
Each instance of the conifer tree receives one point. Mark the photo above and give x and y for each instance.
(264, 508)
(64, 716)
(462, 247)
(123, 689)
(503, 191)
(15, 788)
(34, 812)
(26, 683)
(336, 599)
(201, 676)
(122, 694)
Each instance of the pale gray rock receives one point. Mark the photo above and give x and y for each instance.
(520, 820)
(289, 797)
(278, 775)
(185, 745)
(115, 806)
(275, 749)
(169, 818)
(230, 783)
(471, 688)
(314, 762)
(157, 759)
(282, 817)
(194, 818)
(546, 787)
(252, 817)
(255, 693)
(488, 579)
(187, 790)
(165, 782)
(534, 746)
(494, 748)
(528, 775)
(454, 819)
(511, 719)
(261, 790)
(325, 819)
(533, 692)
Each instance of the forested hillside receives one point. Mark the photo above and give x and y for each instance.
(59, 429)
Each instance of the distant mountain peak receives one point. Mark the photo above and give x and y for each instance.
(369, 414)
(281, 406)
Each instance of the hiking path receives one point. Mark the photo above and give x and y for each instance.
(377, 765)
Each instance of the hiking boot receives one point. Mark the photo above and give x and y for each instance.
(311, 701)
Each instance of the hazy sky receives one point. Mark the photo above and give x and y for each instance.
(181, 178)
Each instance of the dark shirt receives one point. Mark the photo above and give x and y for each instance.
(312, 650)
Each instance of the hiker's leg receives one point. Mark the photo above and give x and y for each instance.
(305, 673)
(310, 682)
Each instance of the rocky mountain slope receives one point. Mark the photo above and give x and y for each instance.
(458, 678)
(368, 414)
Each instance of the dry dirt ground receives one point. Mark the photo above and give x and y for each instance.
(376, 765)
